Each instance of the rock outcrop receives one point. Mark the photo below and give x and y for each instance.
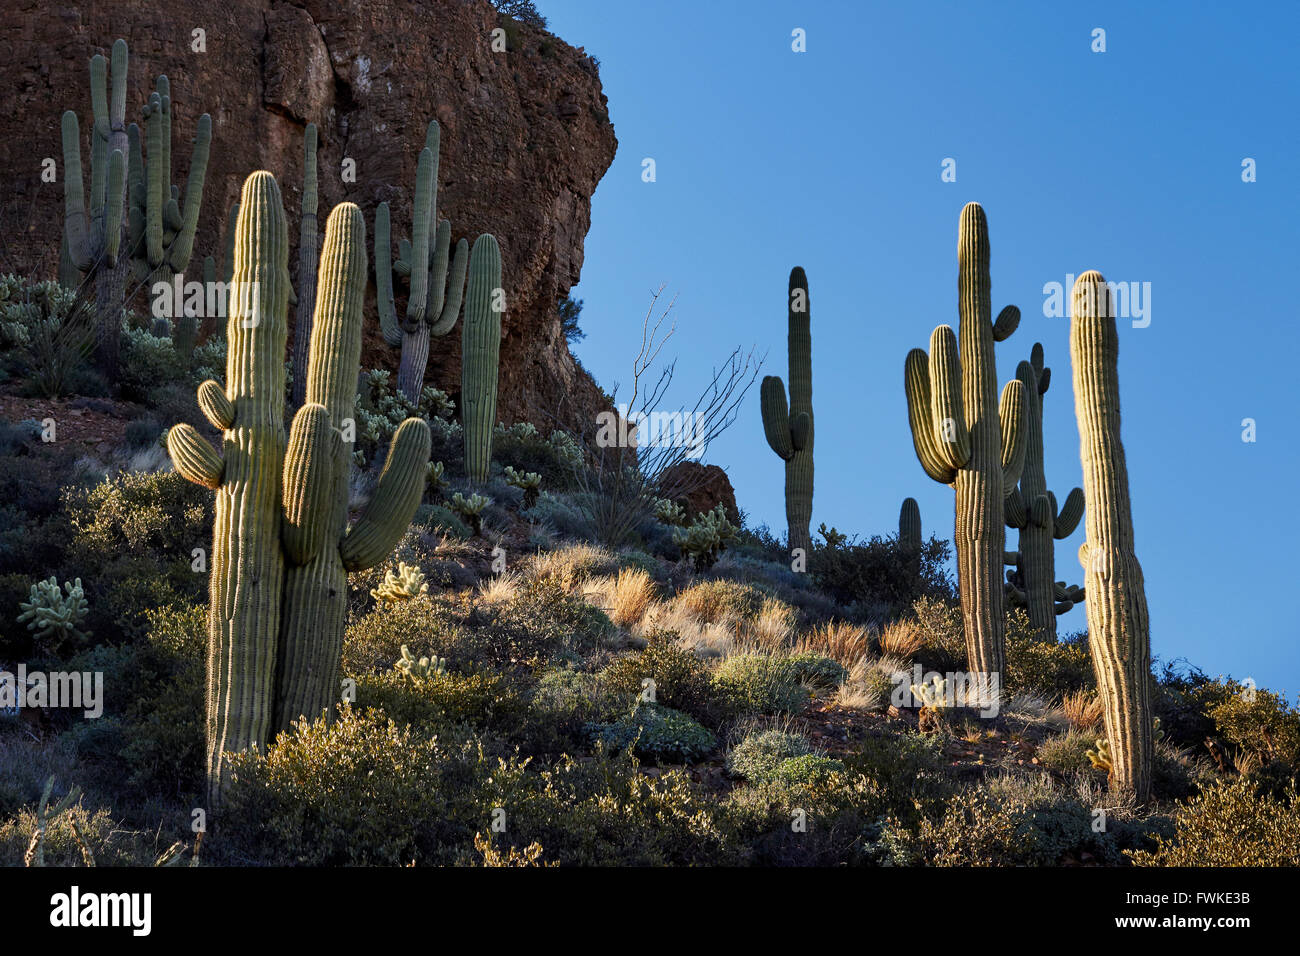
(700, 488)
(525, 139)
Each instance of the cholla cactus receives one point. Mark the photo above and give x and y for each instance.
(670, 513)
(705, 540)
(45, 815)
(55, 616)
(438, 482)
(1100, 758)
(421, 669)
(471, 509)
(529, 481)
(933, 694)
(404, 584)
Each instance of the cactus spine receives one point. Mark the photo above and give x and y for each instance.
(276, 505)
(965, 437)
(1119, 631)
(1033, 511)
(480, 355)
(93, 240)
(308, 257)
(789, 431)
(433, 302)
(320, 548)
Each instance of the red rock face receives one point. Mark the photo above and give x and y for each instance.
(703, 487)
(525, 139)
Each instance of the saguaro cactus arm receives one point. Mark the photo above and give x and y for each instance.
(916, 382)
(1067, 519)
(389, 512)
(312, 462)
(1011, 414)
(194, 458)
(776, 417)
(384, 276)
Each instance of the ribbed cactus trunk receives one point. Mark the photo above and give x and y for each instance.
(247, 560)
(316, 591)
(480, 357)
(1118, 624)
(1032, 510)
(964, 436)
(789, 430)
(308, 257)
(413, 362)
(909, 535)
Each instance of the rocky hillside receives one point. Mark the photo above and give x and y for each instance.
(525, 139)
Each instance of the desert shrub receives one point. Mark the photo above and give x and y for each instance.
(143, 432)
(1001, 824)
(549, 619)
(1068, 752)
(47, 334)
(562, 514)
(632, 559)
(1050, 669)
(806, 770)
(109, 842)
(372, 642)
(1230, 824)
(880, 572)
(752, 684)
(681, 680)
(658, 733)
(439, 519)
(907, 768)
(817, 670)
(480, 698)
(148, 361)
(760, 752)
(1258, 722)
(1181, 697)
(943, 640)
(556, 457)
(565, 701)
(380, 409)
(715, 601)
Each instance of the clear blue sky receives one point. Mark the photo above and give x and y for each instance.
(1127, 161)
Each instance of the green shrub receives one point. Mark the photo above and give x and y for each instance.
(148, 361)
(143, 432)
(819, 671)
(1049, 669)
(555, 457)
(681, 680)
(1258, 722)
(373, 641)
(439, 519)
(1068, 752)
(807, 770)
(656, 733)
(752, 684)
(758, 754)
(878, 572)
(480, 698)
(1231, 824)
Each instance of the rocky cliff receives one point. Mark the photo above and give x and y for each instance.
(525, 139)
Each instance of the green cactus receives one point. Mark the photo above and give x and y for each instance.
(281, 506)
(438, 483)
(403, 584)
(161, 230)
(909, 525)
(55, 617)
(471, 509)
(480, 356)
(530, 482)
(1119, 629)
(789, 430)
(705, 540)
(670, 513)
(421, 669)
(93, 240)
(966, 438)
(1032, 510)
(436, 278)
(308, 259)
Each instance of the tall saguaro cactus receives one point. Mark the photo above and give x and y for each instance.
(308, 256)
(966, 437)
(320, 547)
(278, 505)
(1119, 630)
(909, 525)
(789, 430)
(433, 302)
(480, 356)
(94, 240)
(1033, 511)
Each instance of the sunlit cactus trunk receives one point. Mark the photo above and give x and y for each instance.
(1119, 631)
(965, 437)
(789, 430)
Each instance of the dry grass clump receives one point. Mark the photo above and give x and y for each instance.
(625, 598)
(1082, 709)
(871, 683)
(839, 640)
(903, 639)
(713, 602)
(500, 588)
(571, 565)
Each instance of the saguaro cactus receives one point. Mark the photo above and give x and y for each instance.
(909, 525)
(276, 505)
(966, 438)
(307, 261)
(789, 430)
(94, 241)
(1032, 510)
(247, 555)
(161, 230)
(1119, 630)
(480, 356)
(433, 302)
(320, 547)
